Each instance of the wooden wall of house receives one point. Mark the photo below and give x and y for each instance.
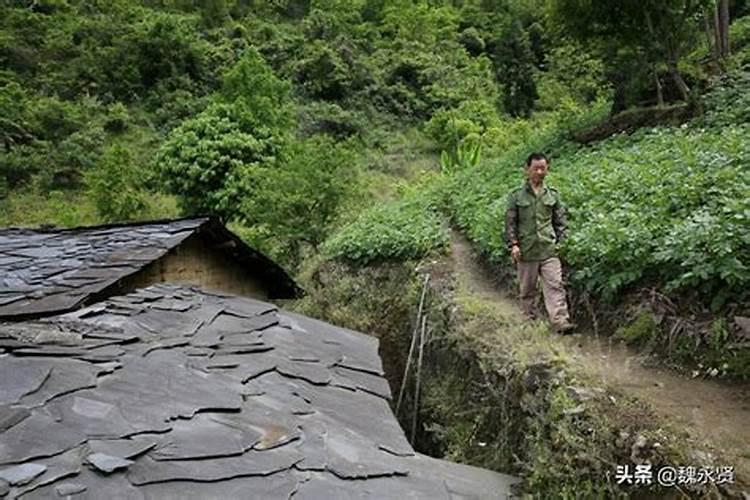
(195, 263)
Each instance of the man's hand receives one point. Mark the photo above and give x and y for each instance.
(515, 253)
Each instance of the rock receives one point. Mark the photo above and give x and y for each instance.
(574, 411)
(743, 324)
(108, 463)
(636, 450)
(4, 487)
(67, 489)
(579, 393)
(621, 441)
(538, 375)
(22, 474)
(702, 458)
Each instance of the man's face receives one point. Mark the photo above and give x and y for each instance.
(537, 170)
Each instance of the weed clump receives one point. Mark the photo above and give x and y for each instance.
(640, 331)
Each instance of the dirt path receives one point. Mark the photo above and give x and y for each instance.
(714, 413)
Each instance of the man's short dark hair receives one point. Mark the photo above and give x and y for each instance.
(536, 156)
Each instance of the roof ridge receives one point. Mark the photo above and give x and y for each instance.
(110, 225)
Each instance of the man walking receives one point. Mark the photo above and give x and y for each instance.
(534, 226)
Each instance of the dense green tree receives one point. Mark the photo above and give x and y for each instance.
(210, 161)
(663, 30)
(239, 159)
(214, 12)
(296, 203)
(571, 72)
(115, 185)
(323, 73)
(515, 62)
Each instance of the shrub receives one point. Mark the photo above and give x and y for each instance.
(571, 73)
(470, 119)
(319, 117)
(728, 100)
(213, 160)
(410, 228)
(323, 73)
(210, 161)
(293, 206)
(115, 184)
(117, 118)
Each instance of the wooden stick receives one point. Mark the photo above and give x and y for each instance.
(419, 380)
(413, 344)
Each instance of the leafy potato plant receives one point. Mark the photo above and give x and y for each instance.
(404, 229)
(667, 205)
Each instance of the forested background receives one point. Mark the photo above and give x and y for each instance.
(353, 141)
(359, 129)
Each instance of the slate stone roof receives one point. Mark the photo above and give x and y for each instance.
(174, 393)
(53, 271)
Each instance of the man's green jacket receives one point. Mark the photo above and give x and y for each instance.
(535, 223)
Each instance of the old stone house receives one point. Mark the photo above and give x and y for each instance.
(57, 270)
(117, 380)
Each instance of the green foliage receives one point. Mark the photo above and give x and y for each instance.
(413, 81)
(323, 73)
(728, 100)
(667, 205)
(471, 120)
(264, 98)
(516, 72)
(117, 118)
(407, 229)
(571, 72)
(719, 335)
(637, 39)
(214, 160)
(402, 20)
(59, 208)
(238, 159)
(236, 134)
(739, 36)
(170, 108)
(466, 155)
(214, 12)
(115, 186)
(167, 48)
(330, 119)
(297, 203)
(120, 51)
(640, 331)
(209, 161)
(472, 41)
